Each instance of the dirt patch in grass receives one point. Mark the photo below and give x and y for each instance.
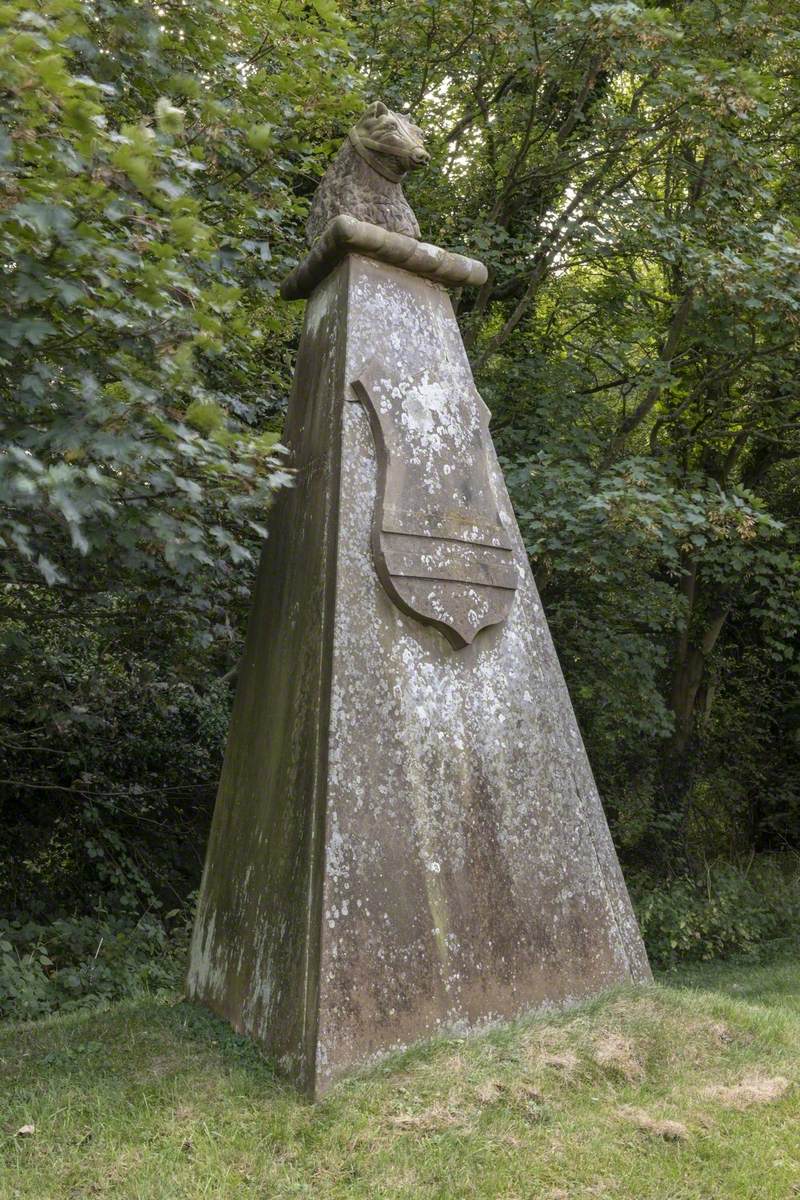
(549, 1050)
(519, 1094)
(489, 1091)
(566, 1063)
(619, 1055)
(754, 1089)
(657, 1127)
(431, 1120)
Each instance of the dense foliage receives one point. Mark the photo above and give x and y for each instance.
(153, 172)
(630, 173)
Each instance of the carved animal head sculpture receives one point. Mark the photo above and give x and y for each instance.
(364, 180)
(389, 142)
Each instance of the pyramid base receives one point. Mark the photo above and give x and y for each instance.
(408, 838)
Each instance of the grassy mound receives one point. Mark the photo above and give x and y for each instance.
(686, 1090)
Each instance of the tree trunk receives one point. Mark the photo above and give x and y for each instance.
(694, 646)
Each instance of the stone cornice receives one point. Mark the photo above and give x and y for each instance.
(346, 235)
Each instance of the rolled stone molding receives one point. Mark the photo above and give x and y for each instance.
(346, 235)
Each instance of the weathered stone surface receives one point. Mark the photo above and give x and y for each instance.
(346, 235)
(408, 836)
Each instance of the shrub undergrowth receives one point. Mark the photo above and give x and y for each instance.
(84, 962)
(731, 910)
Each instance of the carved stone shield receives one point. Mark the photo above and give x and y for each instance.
(440, 549)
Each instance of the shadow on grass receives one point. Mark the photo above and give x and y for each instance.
(137, 1037)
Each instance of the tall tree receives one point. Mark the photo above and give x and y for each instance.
(629, 173)
(153, 163)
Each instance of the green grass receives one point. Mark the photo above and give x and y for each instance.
(687, 1090)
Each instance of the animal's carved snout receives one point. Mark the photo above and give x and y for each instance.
(419, 156)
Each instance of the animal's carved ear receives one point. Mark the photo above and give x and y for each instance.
(378, 109)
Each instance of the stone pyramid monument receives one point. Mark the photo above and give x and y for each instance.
(407, 837)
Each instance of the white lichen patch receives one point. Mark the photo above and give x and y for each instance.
(317, 309)
(206, 975)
